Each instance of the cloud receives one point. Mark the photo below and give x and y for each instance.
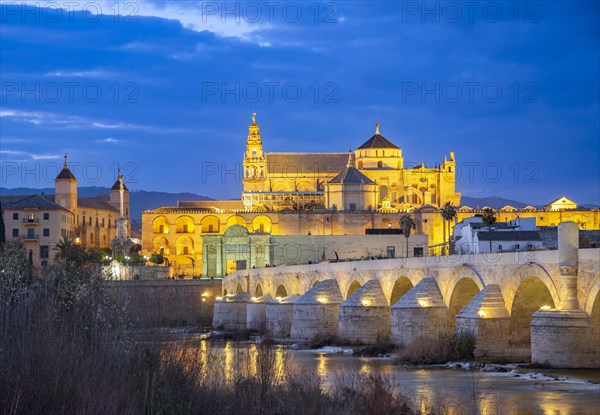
(216, 17)
(108, 140)
(79, 74)
(32, 156)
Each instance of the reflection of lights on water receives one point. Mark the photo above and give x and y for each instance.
(229, 352)
(322, 365)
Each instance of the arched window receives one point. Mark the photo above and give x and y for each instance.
(379, 164)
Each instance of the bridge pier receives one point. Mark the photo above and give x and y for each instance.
(256, 319)
(230, 312)
(316, 312)
(419, 314)
(487, 318)
(279, 314)
(365, 317)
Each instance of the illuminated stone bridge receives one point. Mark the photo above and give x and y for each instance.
(540, 306)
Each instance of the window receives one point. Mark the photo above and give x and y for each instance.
(161, 229)
(418, 251)
(46, 232)
(103, 222)
(44, 251)
(517, 246)
(211, 228)
(352, 207)
(83, 221)
(185, 228)
(379, 164)
(30, 233)
(30, 217)
(90, 221)
(15, 216)
(15, 233)
(185, 250)
(391, 252)
(46, 216)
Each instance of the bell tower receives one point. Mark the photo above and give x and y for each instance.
(255, 166)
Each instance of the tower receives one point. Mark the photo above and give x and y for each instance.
(255, 166)
(116, 198)
(66, 189)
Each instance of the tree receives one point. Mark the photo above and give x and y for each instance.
(489, 218)
(407, 224)
(157, 258)
(68, 251)
(448, 214)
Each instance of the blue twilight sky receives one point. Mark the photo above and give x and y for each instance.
(167, 90)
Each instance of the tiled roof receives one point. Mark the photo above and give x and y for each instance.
(351, 175)
(509, 236)
(95, 203)
(65, 173)
(117, 186)
(378, 141)
(30, 202)
(303, 163)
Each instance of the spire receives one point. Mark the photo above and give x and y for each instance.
(350, 159)
(377, 127)
(254, 130)
(65, 165)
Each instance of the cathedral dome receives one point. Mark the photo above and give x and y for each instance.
(377, 141)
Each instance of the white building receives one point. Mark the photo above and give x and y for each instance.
(473, 236)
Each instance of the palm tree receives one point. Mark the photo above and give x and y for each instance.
(489, 218)
(448, 214)
(67, 250)
(407, 224)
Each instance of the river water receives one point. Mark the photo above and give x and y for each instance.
(516, 392)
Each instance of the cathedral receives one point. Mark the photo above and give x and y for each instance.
(299, 207)
(371, 178)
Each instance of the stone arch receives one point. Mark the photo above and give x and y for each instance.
(315, 283)
(239, 288)
(464, 271)
(531, 270)
(592, 296)
(160, 224)
(184, 245)
(531, 295)
(235, 220)
(401, 287)
(463, 292)
(304, 186)
(281, 292)
(594, 332)
(262, 223)
(160, 245)
(352, 288)
(258, 292)
(184, 224)
(210, 224)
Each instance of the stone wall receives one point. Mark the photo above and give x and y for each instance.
(169, 302)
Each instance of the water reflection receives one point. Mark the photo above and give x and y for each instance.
(459, 392)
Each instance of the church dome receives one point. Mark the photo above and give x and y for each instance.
(377, 141)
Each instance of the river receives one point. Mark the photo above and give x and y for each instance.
(515, 392)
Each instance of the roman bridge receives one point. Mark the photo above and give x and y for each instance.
(538, 305)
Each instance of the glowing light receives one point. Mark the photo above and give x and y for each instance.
(482, 313)
(219, 298)
(204, 300)
(254, 299)
(366, 302)
(423, 302)
(205, 294)
(278, 299)
(545, 308)
(322, 300)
